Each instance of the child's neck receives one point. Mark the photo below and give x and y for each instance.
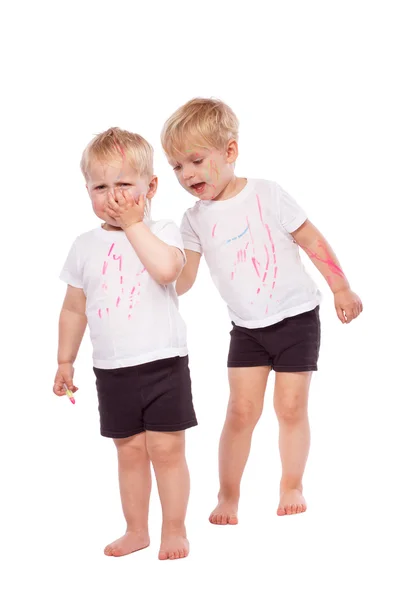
(109, 227)
(234, 187)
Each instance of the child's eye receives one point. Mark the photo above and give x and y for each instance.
(177, 167)
(100, 187)
(198, 161)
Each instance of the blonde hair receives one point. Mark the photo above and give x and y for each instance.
(119, 144)
(200, 119)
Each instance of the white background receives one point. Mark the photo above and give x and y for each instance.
(314, 85)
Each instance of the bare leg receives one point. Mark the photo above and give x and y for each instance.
(167, 453)
(135, 486)
(247, 386)
(290, 401)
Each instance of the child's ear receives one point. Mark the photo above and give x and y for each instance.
(152, 187)
(232, 151)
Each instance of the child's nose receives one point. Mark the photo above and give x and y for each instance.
(187, 172)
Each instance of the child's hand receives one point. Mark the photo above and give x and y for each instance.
(348, 305)
(65, 374)
(124, 209)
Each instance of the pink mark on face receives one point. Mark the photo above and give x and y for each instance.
(255, 262)
(105, 265)
(119, 258)
(213, 230)
(111, 249)
(118, 301)
(99, 312)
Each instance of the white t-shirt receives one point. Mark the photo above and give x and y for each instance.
(132, 319)
(253, 259)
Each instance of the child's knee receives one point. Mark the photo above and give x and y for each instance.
(131, 448)
(164, 448)
(290, 408)
(242, 414)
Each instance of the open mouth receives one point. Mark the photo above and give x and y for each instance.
(198, 187)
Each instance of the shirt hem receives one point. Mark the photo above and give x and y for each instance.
(291, 312)
(140, 360)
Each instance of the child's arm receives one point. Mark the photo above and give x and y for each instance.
(162, 261)
(189, 272)
(72, 325)
(348, 305)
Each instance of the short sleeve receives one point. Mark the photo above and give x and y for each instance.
(71, 272)
(168, 232)
(291, 215)
(191, 240)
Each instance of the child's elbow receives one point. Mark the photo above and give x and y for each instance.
(169, 275)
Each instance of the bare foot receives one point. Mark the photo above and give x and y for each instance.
(173, 546)
(292, 503)
(128, 543)
(225, 513)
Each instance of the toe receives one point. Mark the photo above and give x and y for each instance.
(233, 520)
(281, 511)
(181, 553)
(162, 555)
(224, 519)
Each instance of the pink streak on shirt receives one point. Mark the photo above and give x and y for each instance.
(119, 258)
(108, 311)
(118, 301)
(99, 312)
(258, 291)
(259, 208)
(111, 248)
(254, 261)
(121, 280)
(275, 272)
(213, 230)
(105, 265)
(133, 289)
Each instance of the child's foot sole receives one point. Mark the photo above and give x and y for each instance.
(128, 543)
(292, 503)
(173, 547)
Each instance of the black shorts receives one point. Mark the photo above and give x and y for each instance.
(290, 346)
(156, 396)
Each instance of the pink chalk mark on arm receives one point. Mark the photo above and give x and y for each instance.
(213, 230)
(333, 267)
(111, 248)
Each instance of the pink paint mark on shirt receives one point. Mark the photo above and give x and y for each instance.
(245, 256)
(273, 285)
(111, 249)
(133, 289)
(248, 225)
(232, 275)
(259, 208)
(131, 306)
(118, 301)
(105, 265)
(99, 312)
(254, 261)
(213, 230)
(247, 245)
(142, 271)
(121, 279)
(265, 275)
(266, 310)
(108, 311)
(130, 316)
(119, 258)
(258, 291)
(270, 238)
(275, 272)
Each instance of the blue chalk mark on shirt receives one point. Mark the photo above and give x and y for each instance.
(238, 236)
